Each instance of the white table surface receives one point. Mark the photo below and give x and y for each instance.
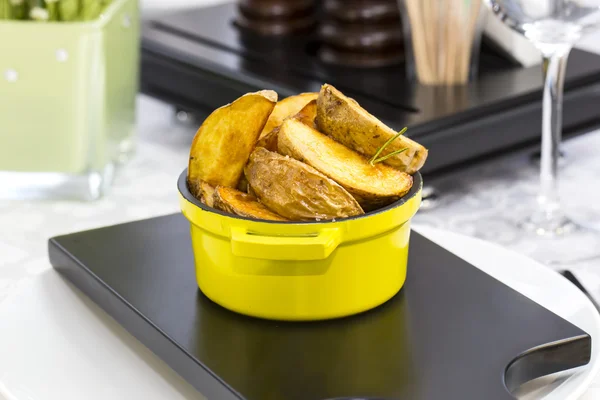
(146, 187)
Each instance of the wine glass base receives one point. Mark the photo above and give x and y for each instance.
(554, 228)
(555, 243)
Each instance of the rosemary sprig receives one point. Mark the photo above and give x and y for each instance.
(393, 153)
(374, 160)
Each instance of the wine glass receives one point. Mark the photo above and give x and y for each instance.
(553, 26)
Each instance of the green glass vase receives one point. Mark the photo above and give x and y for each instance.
(67, 103)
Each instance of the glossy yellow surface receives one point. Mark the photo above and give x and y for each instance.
(304, 271)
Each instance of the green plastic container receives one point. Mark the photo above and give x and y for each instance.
(67, 103)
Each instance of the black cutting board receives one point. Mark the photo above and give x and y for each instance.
(452, 333)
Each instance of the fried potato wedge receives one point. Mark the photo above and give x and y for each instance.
(307, 115)
(370, 184)
(235, 202)
(269, 141)
(347, 122)
(296, 190)
(223, 143)
(287, 108)
(203, 192)
(251, 191)
(243, 185)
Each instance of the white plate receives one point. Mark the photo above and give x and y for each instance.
(55, 344)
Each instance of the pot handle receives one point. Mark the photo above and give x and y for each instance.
(316, 246)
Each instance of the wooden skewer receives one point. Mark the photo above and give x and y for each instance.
(468, 18)
(443, 33)
(424, 41)
(418, 40)
(459, 21)
(432, 21)
(460, 44)
(472, 31)
(447, 49)
(451, 42)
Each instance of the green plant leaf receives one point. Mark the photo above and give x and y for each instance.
(20, 9)
(90, 10)
(5, 9)
(53, 10)
(68, 10)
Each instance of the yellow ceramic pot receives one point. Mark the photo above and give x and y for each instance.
(300, 270)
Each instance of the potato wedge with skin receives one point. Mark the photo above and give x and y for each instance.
(348, 123)
(269, 141)
(251, 191)
(203, 192)
(235, 202)
(296, 190)
(223, 143)
(286, 108)
(370, 184)
(243, 185)
(306, 115)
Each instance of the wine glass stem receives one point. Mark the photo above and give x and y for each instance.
(554, 67)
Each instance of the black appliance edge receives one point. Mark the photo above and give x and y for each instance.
(180, 81)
